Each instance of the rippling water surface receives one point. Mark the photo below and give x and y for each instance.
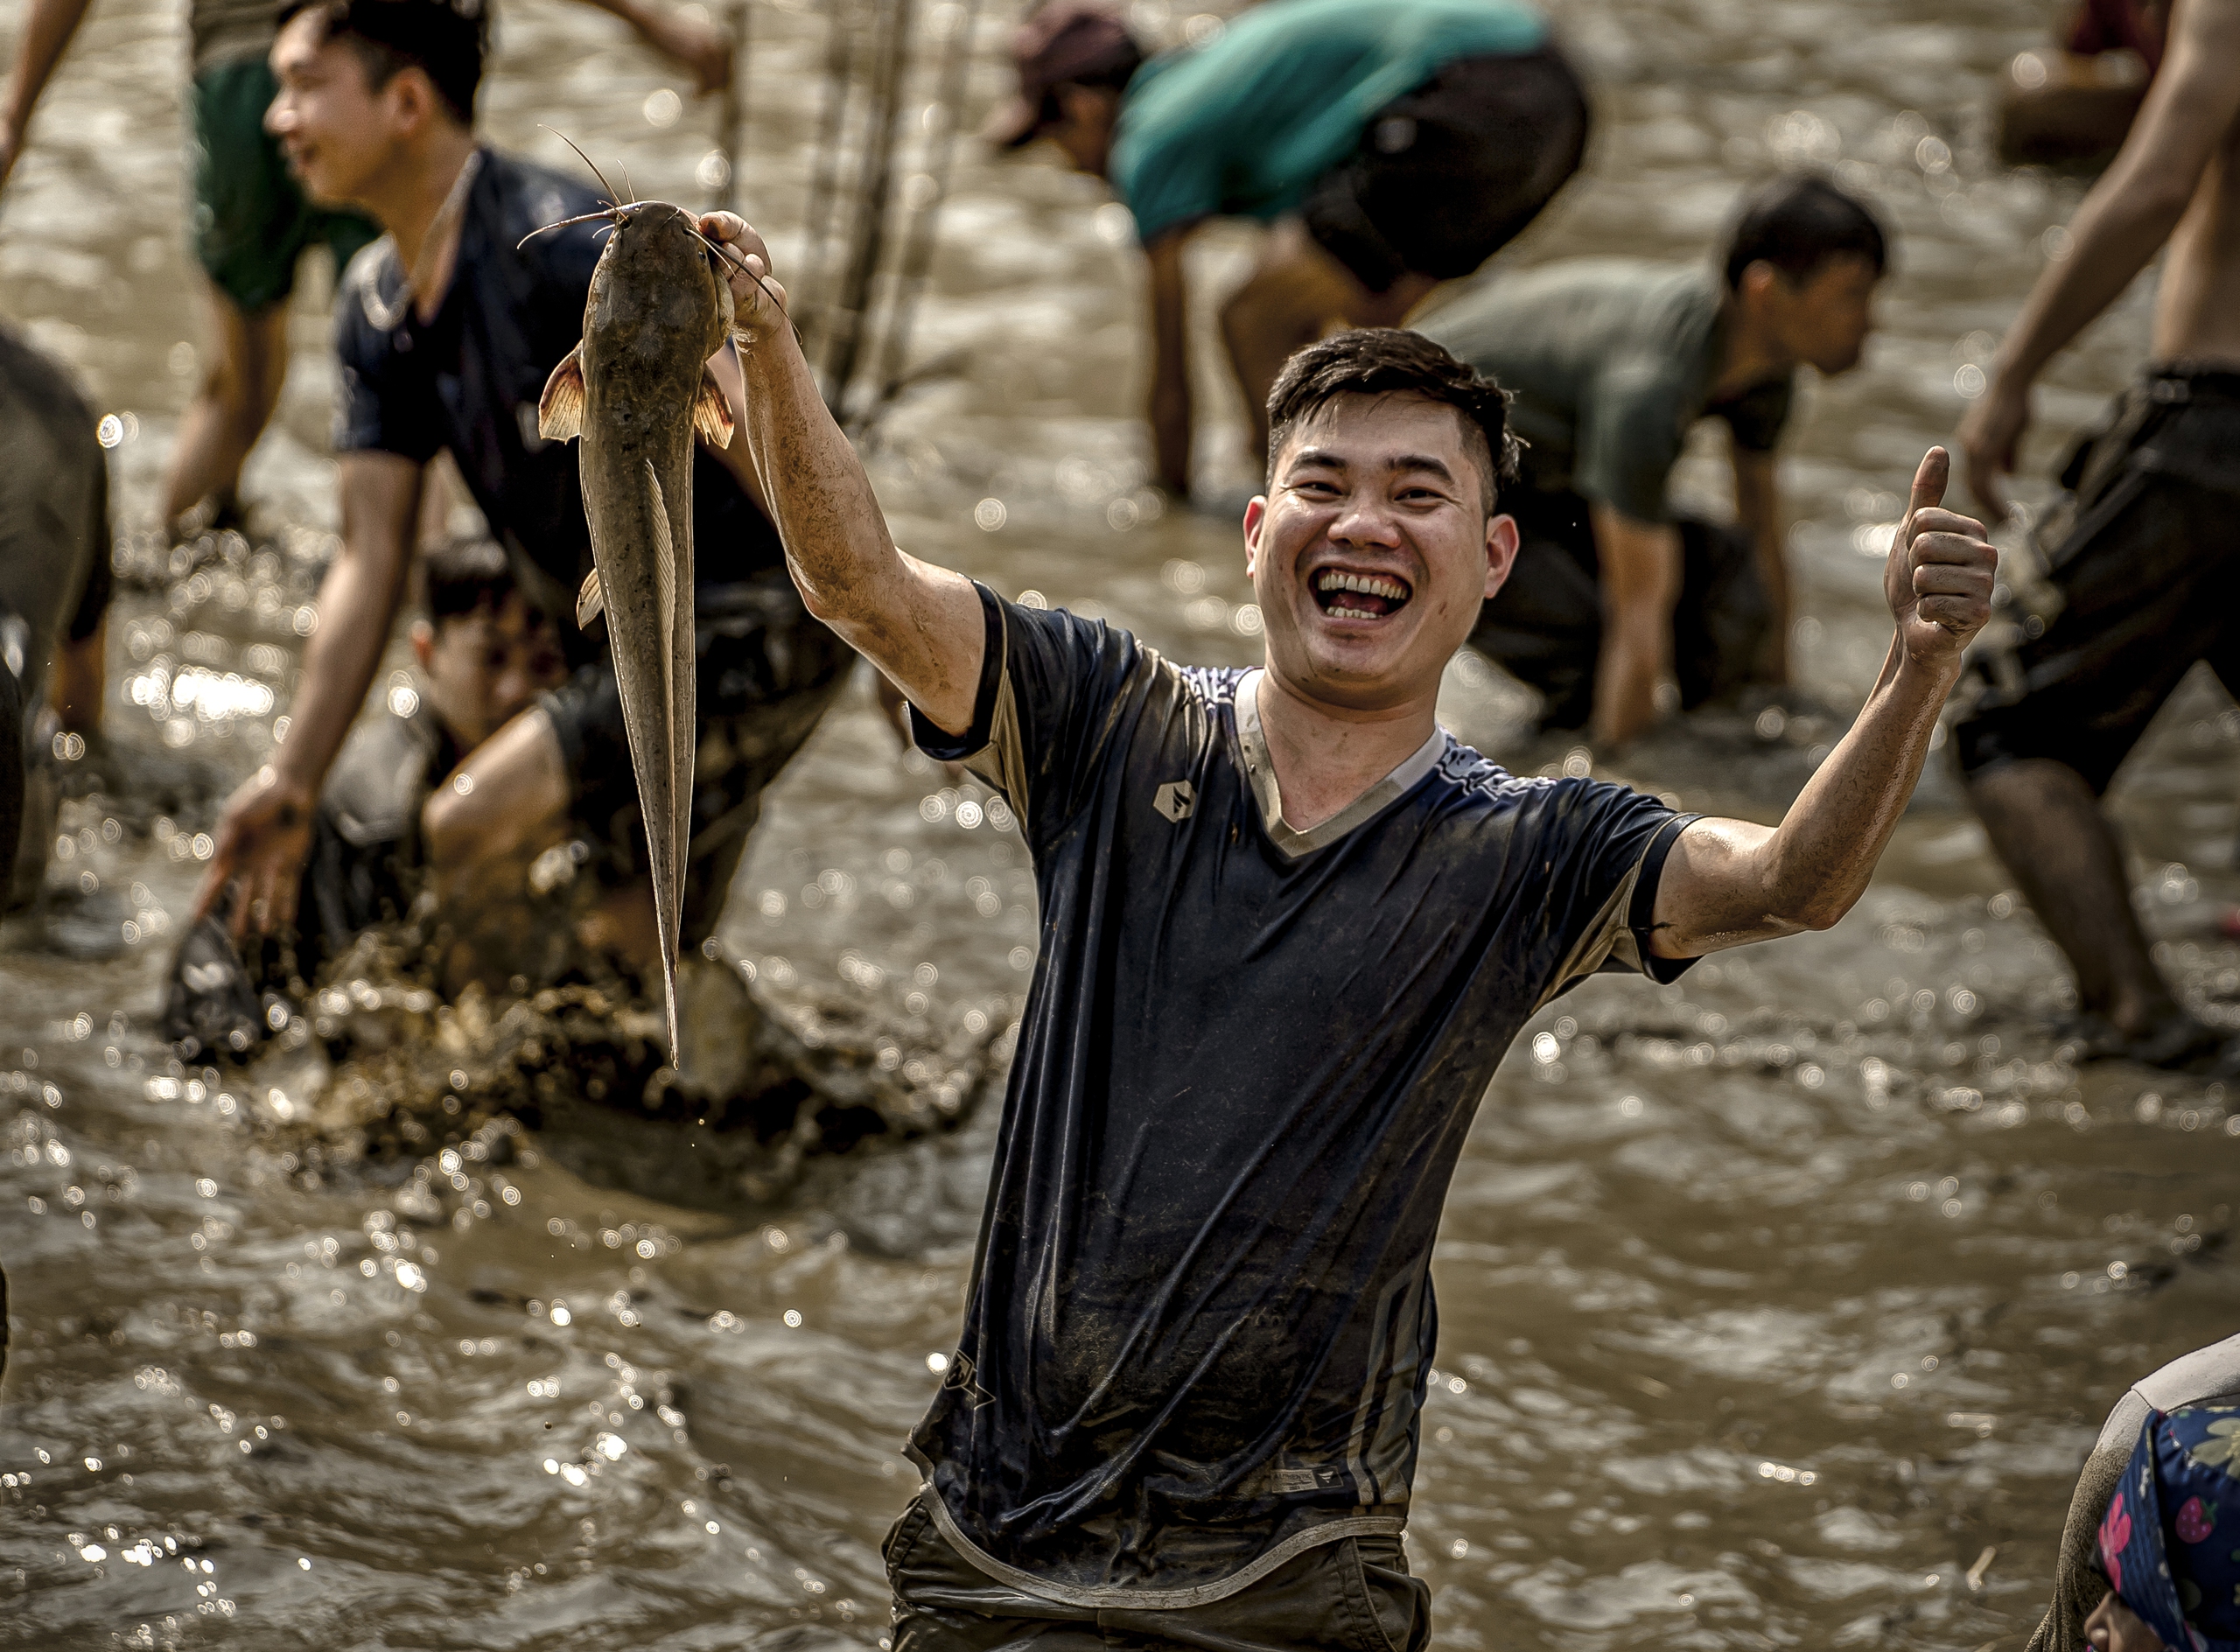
(1778, 1307)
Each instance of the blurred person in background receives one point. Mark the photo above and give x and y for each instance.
(251, 223)
(54, 592)
(2074, 103)
(1612, 361)
(2122, 1524)
(1391, 144)
(2142, 555)
(484, 652)
(447, 331)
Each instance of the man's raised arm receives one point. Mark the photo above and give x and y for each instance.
(920, 625)
(1729, 882)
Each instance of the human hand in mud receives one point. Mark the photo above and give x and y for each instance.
(757, 302)
(1988, 438)
(1938, 577)
(262, 841)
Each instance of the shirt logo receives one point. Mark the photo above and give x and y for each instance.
(1175, 800)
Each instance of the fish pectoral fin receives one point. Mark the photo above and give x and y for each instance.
(590, 600)
(560, 409)
(712, 411)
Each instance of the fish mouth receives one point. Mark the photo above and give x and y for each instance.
(1357, 594)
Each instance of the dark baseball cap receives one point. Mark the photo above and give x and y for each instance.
(1063, 40)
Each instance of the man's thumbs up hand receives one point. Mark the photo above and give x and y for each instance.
(1939, 576)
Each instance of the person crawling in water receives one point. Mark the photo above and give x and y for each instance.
(485, 653)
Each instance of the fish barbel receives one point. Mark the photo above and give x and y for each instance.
(637, 390)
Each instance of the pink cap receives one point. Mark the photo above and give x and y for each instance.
(1063, 40)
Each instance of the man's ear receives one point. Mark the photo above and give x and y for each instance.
(413, 100)
(1256, 519)
(1501, 551)
(424, 644)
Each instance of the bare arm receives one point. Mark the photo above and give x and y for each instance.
(1758, 510)
(920, 625)
(1728, 882)
(1170, 403)
(47, 29)
(1641, 581)
(266, 830)
(2123, 223)
(694, 45)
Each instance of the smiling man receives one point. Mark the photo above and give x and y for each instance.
(1289, 927)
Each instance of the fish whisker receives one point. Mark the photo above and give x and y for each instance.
(723, 256)
(566, 223)
(586, 160)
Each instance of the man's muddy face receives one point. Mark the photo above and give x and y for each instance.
(1824, 318)
(336, 128)
(486, 666)
(1371, 552)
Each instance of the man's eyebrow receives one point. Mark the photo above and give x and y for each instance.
(1422, 462)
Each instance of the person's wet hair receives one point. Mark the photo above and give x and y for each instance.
(1796, 223)
(464, 574)
(1394, 361)
(447, 39)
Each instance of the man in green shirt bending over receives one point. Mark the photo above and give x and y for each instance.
(1612, 361)
(1393, 144)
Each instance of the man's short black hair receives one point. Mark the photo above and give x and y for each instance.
(1394, 361)
(1796, 223)
(463, 574)
(447, 39)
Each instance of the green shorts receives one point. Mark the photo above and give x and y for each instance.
(251, 221)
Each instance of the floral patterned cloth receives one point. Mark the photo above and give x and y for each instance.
(2170, 1541)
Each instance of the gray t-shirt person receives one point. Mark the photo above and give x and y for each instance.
(1611, 361)
(2207, 1376)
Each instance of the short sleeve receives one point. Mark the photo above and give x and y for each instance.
(1042, 717)
(1631, 424)
(383, 406)
(1756, 416)
(1602, 850)
(1169, 178)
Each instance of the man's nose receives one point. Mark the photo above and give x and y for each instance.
(1365, 520)
(277, 116)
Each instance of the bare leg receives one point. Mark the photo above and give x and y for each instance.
(1297, 295)
(2050, 830)
(78, 668)
(239, 388)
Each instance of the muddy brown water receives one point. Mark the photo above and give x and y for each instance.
(1778, 1307)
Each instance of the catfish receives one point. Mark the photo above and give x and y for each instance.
(636, 392)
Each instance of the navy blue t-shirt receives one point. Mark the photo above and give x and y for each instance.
(1200, 1321)
(469, 381)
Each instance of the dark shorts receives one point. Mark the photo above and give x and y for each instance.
(1353, 1595)
(767, 672)
(1544, 625)
(2144, 561)
(1449, 174)
(251, 221)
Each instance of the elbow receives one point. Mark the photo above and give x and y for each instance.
(1822, 911)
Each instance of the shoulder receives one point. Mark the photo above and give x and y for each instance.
(517, 198)
(367, 303)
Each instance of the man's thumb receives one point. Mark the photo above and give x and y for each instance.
(1929, 480)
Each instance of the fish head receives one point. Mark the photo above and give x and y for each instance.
(657, 283)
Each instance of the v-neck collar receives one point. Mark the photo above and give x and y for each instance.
(1260, 769)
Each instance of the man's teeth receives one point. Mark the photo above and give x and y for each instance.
(1368, 584)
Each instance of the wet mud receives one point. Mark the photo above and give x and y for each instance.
(1778, 1307)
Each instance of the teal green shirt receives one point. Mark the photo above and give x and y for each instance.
(1609, 361)
(1242, 125)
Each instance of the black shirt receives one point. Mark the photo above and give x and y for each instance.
(469, 381)
(1200, 1320)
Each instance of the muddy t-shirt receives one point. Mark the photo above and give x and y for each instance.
(1610, 362)
(1200, 1321)
(469, 381)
